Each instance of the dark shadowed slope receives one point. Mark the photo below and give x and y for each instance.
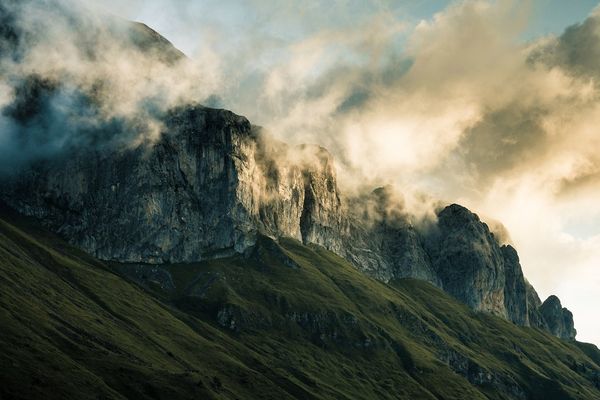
(284, 321)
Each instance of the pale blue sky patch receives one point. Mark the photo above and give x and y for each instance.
(183, 21)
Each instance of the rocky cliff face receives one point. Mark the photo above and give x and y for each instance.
(515, 287)
(382, 240)
(558, 320)
(475, 268)
(469, 260)
(205, 188)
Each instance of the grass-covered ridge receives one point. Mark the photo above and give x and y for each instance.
(285, 321)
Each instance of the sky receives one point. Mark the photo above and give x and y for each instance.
(181, 20)
(491, 104)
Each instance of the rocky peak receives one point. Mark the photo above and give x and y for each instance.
(469, 260)
(456, 216)
(205, 187)
(558, 320)
(148, 41)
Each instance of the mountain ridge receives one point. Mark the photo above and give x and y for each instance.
(211, 183)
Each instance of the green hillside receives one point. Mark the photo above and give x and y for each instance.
(284, 321)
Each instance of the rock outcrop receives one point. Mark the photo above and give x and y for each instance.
(205, 188)
(469, 260)
(474, 267)
(558, 320)
(383, 241)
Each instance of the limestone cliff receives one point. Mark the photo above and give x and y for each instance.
(558, 320)
(515, 287)
(383, 241)
(468, 260)
(533, 307)
(205, 188)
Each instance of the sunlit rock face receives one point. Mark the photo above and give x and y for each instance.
(206, 188)
(203, 189)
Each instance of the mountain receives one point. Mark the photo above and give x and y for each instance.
(210, 182)
(213, 183)
(284, 321)
(156, 248)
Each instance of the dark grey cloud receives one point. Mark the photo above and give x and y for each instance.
(504, 139)
(577, 49)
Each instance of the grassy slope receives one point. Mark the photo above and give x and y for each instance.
(287, 322)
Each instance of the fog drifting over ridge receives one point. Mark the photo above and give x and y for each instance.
(457, 105)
